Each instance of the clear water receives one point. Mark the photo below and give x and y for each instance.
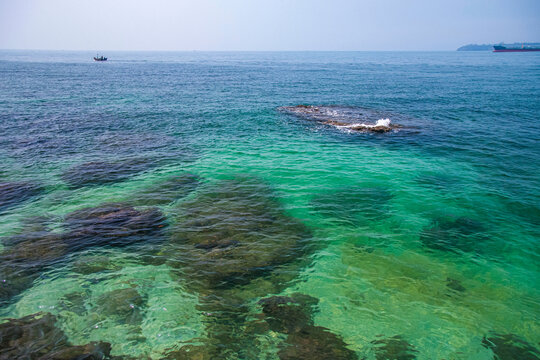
(429, 234)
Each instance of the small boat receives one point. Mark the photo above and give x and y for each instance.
(99, 58)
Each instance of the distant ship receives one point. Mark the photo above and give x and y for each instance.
(100, 58)
(523, 48)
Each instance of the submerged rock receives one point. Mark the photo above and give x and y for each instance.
(94, 264)
(292, 315)
(354, 204)
(37, 337)
(315, 343)
(124, 304)
(38, 223)
(288, 314)
(192, 352)
(172, 189)
(14, 279)
(36, 249)
(461, 235)
(436, 181)
(25, 258)
(14, 193)
(233, 243)
(162, 147)
(100, 172)
(455, 285)
(112, 225)
(233, 233)
(74, 302)
(525, 209)
(510, 347)
(91, 351)
(231, 328)
(349, 118)
(394, 348)
(28, 255)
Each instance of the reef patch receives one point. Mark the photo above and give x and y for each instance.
(292, 315)
(174, 188)
(37, 337)
(94, 264)
(29, 254)
(125, 305)
(510, 347)
(288, 314)
(14, 193)
(454, 285)
(232, 233)
(459, 235)
(113, 224)
(26, 256)
(354, 204)
(234, 243)
(100, 172)
(315, 343)
(393, 348)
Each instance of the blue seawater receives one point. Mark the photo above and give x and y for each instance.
(221, 227)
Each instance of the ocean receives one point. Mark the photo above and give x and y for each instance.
(165, 204)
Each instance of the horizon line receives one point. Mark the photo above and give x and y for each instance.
(198, 50)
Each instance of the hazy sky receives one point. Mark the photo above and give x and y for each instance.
(265, 24)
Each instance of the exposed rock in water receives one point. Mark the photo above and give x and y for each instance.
(37, 337)
(460, 235)
(14, 193)
(394, 348)
(112, 225)
(172, 189)
(510, 347)
(315, 343)
(234, 233)
(354, 204)
(349, 118)
(99, 172)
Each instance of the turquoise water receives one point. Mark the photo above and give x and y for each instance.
(429, 232)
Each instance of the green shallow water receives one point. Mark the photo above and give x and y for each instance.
(372, 203)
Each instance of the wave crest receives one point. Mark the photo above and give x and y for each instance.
(380, 123)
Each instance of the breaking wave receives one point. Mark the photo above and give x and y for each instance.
(381, 122)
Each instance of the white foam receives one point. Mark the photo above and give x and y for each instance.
(383, 122)
(380, 122)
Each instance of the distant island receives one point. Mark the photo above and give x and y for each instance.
(489, 47)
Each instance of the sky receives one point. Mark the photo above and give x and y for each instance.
(265, 25)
